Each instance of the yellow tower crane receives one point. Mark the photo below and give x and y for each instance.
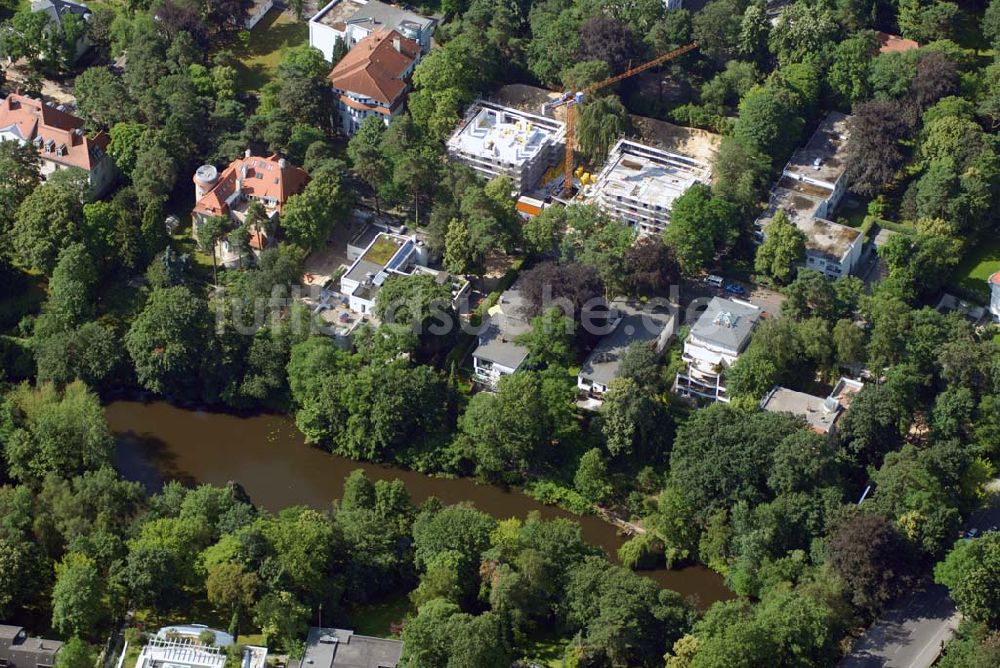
(571, 99)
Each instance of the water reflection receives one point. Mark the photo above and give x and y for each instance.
(267, 455)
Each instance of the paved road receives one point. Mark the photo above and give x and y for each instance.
(909, 635)
(912, 632)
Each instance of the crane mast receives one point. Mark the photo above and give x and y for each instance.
(571, 99)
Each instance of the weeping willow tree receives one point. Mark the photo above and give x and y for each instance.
(599, 124)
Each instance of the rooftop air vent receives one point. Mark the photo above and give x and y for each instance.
(725, 319)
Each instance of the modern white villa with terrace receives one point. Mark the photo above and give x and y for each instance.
(351, 21)
(716, 340)
(391, 255)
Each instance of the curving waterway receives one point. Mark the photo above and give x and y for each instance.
(268, 456)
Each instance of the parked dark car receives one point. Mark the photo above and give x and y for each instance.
(736, 289)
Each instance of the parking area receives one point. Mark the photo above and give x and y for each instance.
(695, 291)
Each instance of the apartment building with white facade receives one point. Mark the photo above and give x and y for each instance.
(353, 20)
(639, 184)
(811, 187)
(496, 141)
(714, 343)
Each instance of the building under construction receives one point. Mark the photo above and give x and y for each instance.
(639, 184)
(502, 141)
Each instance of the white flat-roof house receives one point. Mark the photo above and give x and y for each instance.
(496, 354)
(639, 184)
(180, 653)
(390, 255)
(994, 282)
(716, 340)
(634, 322)
(501, 141)
(821, 414)
(809, 191)
(353, 20)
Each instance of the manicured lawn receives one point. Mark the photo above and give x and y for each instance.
(252, 639)
(376, 619)
(978, 265)
(258, 61)
(546, 650)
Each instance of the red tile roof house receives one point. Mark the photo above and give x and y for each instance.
(373, 78)
(59, 139)
(270, 181)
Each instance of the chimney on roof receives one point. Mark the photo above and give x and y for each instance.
(282, 163)
(397, 44)
(246, 153)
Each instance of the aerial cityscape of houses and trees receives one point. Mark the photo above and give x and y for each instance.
(493, 333)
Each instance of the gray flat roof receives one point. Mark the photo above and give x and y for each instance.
(800, 201)
(726, 323)
(371, 14)
(18, 649)
(819, 413)
(823, 155)
(647, 174)
(637, 324)
(362, 268)
(507, 321)
(340, 648)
